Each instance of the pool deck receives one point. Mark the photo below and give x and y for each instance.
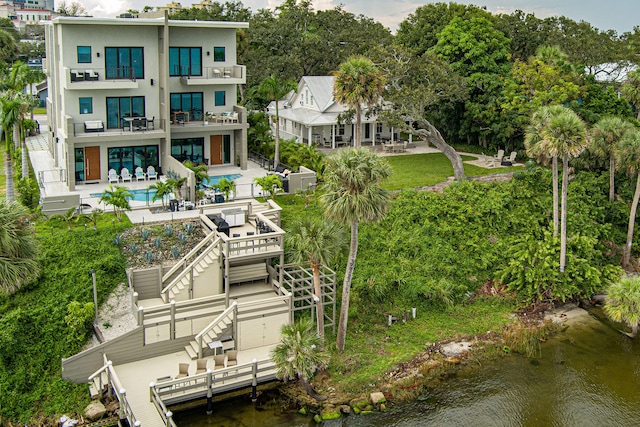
(42, 162)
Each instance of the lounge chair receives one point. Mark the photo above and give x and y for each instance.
(511, 158)
(125, 175)
(232, 357)
(151, 173)
(201, 366)
(498, 157)
(140, 176)
(113, 176)
(183, 370)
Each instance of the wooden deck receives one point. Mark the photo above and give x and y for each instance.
(136, 378)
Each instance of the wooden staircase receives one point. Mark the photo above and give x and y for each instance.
(215, 331)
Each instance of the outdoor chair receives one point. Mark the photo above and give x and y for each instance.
(498, 157)
(140, 176)
(151, 173)
(183, 370)
(113, 176)
(125, 175)
(201, 366)
(150, 122)
(512, 157)
(232, 357)
(220, 361)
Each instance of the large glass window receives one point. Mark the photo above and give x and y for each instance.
(124, 62)
(188, 103)
(79, 164)
(221, 98)
(226, 148)
(191, 149)
(132, 157)
(86, 105)
(119, 108)
(185, 61)
(84, 54)
(219, 54)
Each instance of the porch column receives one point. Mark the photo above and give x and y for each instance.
(333, 136)
(310, 134)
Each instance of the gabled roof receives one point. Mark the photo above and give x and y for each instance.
(321, 88)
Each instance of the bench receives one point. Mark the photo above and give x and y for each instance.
(93, 126)
(248, 273)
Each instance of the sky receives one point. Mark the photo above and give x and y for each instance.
(619, 15)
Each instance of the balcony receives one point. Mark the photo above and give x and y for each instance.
(139, 128)
(100, 78)
(236, 74)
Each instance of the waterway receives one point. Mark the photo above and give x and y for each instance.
(588, 375)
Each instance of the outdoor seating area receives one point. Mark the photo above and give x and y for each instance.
(224, 117)
(137, 123)
(395, 147)
(216, 362)
(84, 75)
(125, 175)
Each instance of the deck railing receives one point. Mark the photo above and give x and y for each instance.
(193, 253)
(115, 386)
(229, 313)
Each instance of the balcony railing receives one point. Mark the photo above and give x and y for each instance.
(138, 124)
(102, 74)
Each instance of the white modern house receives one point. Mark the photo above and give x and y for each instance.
(312, 115)
(129, 93)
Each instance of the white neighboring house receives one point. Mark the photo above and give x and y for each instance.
(128, 93)
(311, 116)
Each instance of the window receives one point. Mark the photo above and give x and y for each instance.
(185, 61)
(132, 157)
(84, 54)
(86, 105)
(221, 98)
(191, 149)
(79, 164)
(340, 129)
(219, 54)
(378, 128)
(124, 62)
(187, 102)
(119, 108)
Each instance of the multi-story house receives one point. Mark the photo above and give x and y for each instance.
(129, 93)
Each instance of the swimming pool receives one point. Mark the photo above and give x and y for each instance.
(213, 180)
(138, 195)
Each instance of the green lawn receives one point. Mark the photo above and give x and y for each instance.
(417, 170)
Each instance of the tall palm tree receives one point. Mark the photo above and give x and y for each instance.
(299, 354)
(623, 303)
(162, 190)
(117, 196)
(358, 83)
(273, 88)
(317, 242)
(353, 193)
(31, 77)
(628, 158)
(604, 137)
(533, 144)
(564, 135)
(18, 246)
(631, 89)
(13, 110)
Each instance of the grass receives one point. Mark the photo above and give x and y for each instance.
(418, 170)
(40, 110)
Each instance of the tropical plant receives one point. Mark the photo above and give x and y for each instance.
(299, 354)
(19, 261)
(68, 217)
(628, 159)
(13, 109)
(631, 90)
(274, 88)
(353, 193)
(176, 184)
(226, 187)
(270, 184)
(162, 190)
(93, 217)
(622, 303)
(201, 172)
(118, 197)
(358, 83)
(316, 242)
(604, 138)
(562, 134)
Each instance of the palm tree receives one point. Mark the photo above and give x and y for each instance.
(604, 137)
(67, 217)
(31, 77)
(117, 196)
(18, 246)
(270, 184)
(299, 355)
(631, 89)
(622, 303)
(317, 242)
(226, 187)
(564, 135)
(628, 158)
(176, 184)
(358, 82)
(163, 189)
(93, 217)
(533, 143)
(353, 193)
(13, 110)
(273, 88)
